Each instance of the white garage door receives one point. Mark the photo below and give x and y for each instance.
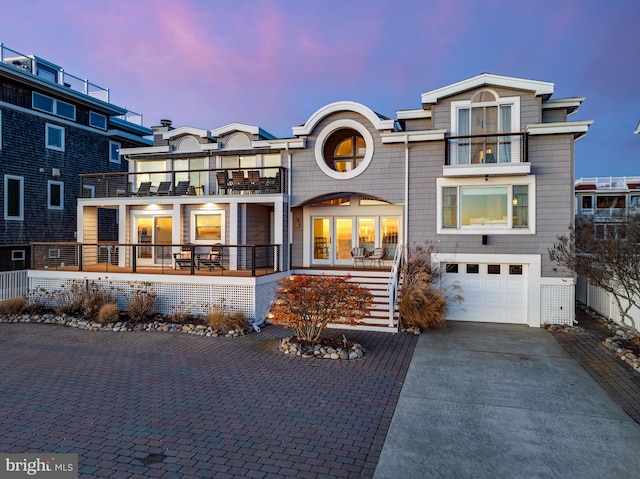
(494, 293)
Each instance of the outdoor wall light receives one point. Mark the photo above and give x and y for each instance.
(297, 222)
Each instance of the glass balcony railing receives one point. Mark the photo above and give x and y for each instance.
(207, 182)
(499, 148)
(55, 74)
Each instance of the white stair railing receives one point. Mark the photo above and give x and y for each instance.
(392, 287)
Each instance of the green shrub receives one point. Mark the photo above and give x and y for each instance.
(13, 306)
(108, 313)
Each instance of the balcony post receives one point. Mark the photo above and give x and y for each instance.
(253, 260)
(134, 254)
(79, 256)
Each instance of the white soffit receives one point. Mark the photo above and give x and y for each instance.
(413, 114)
(536, 86)
(411, 136)
(578, 128)
(569, 104)
(185, 130)
(145, 150)
(241, 127)
(368, 113)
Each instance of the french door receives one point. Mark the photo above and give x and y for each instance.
(335, 236)
(332, 240)
(151, 233)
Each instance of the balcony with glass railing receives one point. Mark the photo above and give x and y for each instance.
(204, 182)
(50, 72)
(495, 154)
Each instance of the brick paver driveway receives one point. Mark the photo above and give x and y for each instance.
(180, 406)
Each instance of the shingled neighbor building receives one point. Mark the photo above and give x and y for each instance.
(54, 127)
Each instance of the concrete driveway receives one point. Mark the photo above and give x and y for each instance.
(500, 401)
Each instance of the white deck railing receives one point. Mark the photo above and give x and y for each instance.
(13, 284)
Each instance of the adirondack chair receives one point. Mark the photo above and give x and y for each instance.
(144, 189)
(182, 188)
(164, 188)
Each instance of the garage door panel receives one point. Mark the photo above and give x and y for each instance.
(500, 298)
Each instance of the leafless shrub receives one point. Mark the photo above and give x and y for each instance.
(37, 300)
(143, 302)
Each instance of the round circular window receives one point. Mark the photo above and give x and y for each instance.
(344, 149)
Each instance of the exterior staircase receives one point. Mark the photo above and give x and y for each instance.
(376, 281)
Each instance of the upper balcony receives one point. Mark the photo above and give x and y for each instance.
(482, 155)
(207, 182)
(50, 72)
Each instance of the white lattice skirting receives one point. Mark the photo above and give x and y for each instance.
(253, 296)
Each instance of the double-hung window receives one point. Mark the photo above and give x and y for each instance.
(13, 197)
(54, 137)
(475, 207)
(56, 195)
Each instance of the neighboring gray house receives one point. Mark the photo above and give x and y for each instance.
(484, 170)
(53, 127)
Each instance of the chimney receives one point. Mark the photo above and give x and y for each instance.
(165, 125)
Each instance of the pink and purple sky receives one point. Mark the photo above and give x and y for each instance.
(273, 63)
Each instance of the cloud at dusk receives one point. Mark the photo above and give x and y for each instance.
(273, 63)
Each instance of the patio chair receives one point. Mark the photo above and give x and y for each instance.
(144, 189)
(182, 188)
(240, 183)
(358, 254)
(222, 178)
(182, 259)
(211, 260)
(164, 188)
(377, 256)
(254, 181)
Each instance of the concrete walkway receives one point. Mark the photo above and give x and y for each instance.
(500, 401)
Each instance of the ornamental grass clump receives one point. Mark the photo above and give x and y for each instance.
(308, 303)
(143, 302)
(221, 320)
(424, 300)
(108, 313)
(13, 306)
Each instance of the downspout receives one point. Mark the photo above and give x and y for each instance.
(405, 219)
(289, 227)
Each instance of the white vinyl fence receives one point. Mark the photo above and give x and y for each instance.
(604, 303)
(13, 284)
